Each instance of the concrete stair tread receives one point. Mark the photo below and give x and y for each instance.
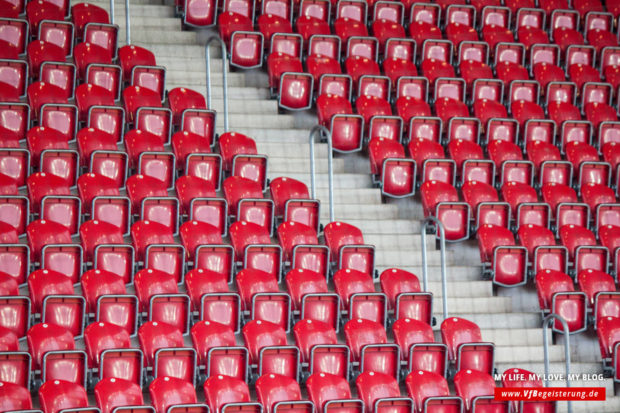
(508, 318)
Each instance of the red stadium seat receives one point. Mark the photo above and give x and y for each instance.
(61, 395)
(465, 346)
(430, 391)
(556, 294)
(476, 389)
(380, 392)
(113, 394)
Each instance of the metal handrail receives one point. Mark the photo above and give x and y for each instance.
(546, 321)
(442, 250)
(127, 20)
(324, 132)
(224, 76)
(127, 23)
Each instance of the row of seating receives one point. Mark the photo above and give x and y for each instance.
(576, 184)
(185, 281)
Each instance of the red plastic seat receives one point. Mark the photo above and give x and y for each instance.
(441, 200)
(222, 390)
(275, 391)
(87, 95)
(87, 54)
(292, 234)
(402, 288)
(517, 193)
(418, 347)
(145, 233)
(319, 347)
(43, 283)
(477, 390)
(601, 292)
(369, 346)
(507, 262)
(168, 393)
(84, 13)
(135, 97)
(45, 337)
(329, 105)
(60, 395)
(149, 283)
(99, 339)
(557, 294)
(14, 397)
(608, 332)
(243, 234)
(534, 236)
(245, 46)
(182, 99)
(300, 282)
(291, 201)
(380, 392)
(428, 389)
(261, 297)
(156, 335)
(112, 394)
(41, 93)
(207, 335)
(339, 234)
(39, 52)
(357, 293)
(42, 232)
(465, 346)
(258, 334)
(139, 68)
(140, 187)
(42, 10)
(328, 391)
(388, 163)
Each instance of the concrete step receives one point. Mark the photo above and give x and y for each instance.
(463, 289)
(398, 258)
(525, 354)
(191, 50)
(345, 180)
(484, 305)
(455, 272)
(138, 23)
(496, 319)
(197, 80)
(402, 241)
(119, 3)
(361, 211)
(396, 226)
(150, 37)
(513, 337)
(140, 10)
(280, 165)
(245, 106)
(362, 196)
(297, 138)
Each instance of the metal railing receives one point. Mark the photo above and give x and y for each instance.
(442, 250)
(127, 20)
(224, 76)
(546, 321)
(322, 131)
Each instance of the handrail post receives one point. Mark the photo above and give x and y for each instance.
(224, 76)
(546, 321)
(127, 23)
(442, 250)
(112, 11)
(322, 131)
